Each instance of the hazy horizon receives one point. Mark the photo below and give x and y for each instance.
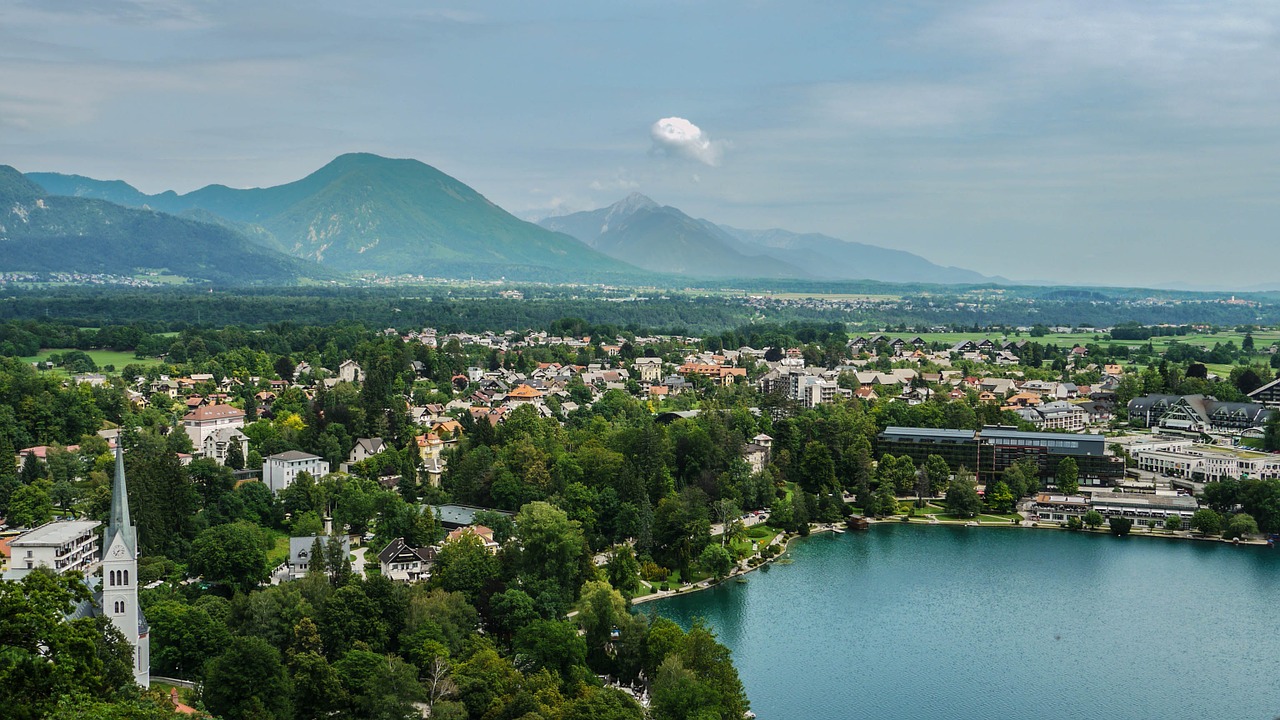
(1080, 142)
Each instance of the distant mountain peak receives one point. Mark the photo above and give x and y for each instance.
(625, 208)
(16, 188)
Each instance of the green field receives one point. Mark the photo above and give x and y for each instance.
(101, 357)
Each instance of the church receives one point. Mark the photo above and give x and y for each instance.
(118, 591)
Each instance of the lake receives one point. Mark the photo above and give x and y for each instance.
(908, 622)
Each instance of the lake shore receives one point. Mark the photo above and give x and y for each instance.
(785, 539)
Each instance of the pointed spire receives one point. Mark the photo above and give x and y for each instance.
(119, 496)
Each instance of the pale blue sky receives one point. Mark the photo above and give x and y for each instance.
(1120, 142)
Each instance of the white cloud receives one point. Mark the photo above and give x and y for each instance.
(679, 137)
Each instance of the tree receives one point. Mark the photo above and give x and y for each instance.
(246, 681)
(1068, 476)
(939, 474)
(1207, 521)
(235, 456)
(885, 499)
(93, 658)
(1173, 523)
(183, 637)
(1000, 499)
(623, 571)
(30, 505)
(465, 565)
(234, 554)
(1119, 526)
(1271, 432)
(1093, 519)
(716, 560)
(553, 645)
(962, 496)
(1241, 525)
(378, 686)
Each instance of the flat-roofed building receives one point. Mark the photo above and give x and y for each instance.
(62, 546)
(991, 451)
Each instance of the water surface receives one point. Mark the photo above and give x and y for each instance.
(908, 622)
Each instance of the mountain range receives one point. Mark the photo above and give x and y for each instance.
(41, 232)
(365, 213)
(663, 239)
(362, 213)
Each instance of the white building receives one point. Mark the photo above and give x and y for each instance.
(649, 369)
(210, 428)
(59, 546)
(1207, 463)
(279, 470)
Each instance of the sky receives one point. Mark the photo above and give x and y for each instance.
(1122, 142)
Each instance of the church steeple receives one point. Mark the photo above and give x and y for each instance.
(119, 523)
(119, 601)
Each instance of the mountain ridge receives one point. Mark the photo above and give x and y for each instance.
(365, 213)
(627, 230)
(41, 232)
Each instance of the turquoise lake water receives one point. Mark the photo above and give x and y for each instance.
(909, 622)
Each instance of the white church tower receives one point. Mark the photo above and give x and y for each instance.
(120, 577)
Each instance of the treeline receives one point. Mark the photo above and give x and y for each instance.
(682, 313)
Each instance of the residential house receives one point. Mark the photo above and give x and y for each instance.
(350, 371)
(61, 546)
(402, 563)
(364, 449)
(215, 420)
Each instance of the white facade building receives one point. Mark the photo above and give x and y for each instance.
(59, 546)
(279, 471)
(120, 578)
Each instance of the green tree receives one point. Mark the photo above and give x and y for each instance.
(716, 560)
(1119, 526)
(465, 565)
(235, 554)
(885, 499)
(378, 686)
(1173, 523)
(553, 645)
(962, 496)
(1207, 521)
(939, 474)
(1068, 476)
(183, 638)
(623, 571)
(93, 659)
(248, 682)
(1093, 519)
(1241, 525)
(30, 505)
(999, 498)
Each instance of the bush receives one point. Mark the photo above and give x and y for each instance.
(1074, 523)
(1120, 526)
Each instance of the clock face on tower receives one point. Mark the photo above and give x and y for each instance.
(118, 552)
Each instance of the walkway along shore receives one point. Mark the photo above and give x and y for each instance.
(784, 539)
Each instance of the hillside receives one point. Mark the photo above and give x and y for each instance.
(663, 239)
(367, 213)
(44, 233)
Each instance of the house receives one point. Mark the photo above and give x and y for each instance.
(364, 449)
(280, 470)
(1197, 414)
(648, 369)
(524, 394)
(350, 371)
(207, 420)
(480, 531)
(300, 559)
(401, 562)
(758, 452)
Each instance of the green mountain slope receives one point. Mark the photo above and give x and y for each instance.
(45, 233)
(363, 212)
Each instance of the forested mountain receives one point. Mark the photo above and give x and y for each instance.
(43, 233)
(664, 239)
(363, 212)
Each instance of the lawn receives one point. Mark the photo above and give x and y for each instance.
(100, 357)
(279, 551)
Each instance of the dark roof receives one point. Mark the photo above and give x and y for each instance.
(935, 434)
